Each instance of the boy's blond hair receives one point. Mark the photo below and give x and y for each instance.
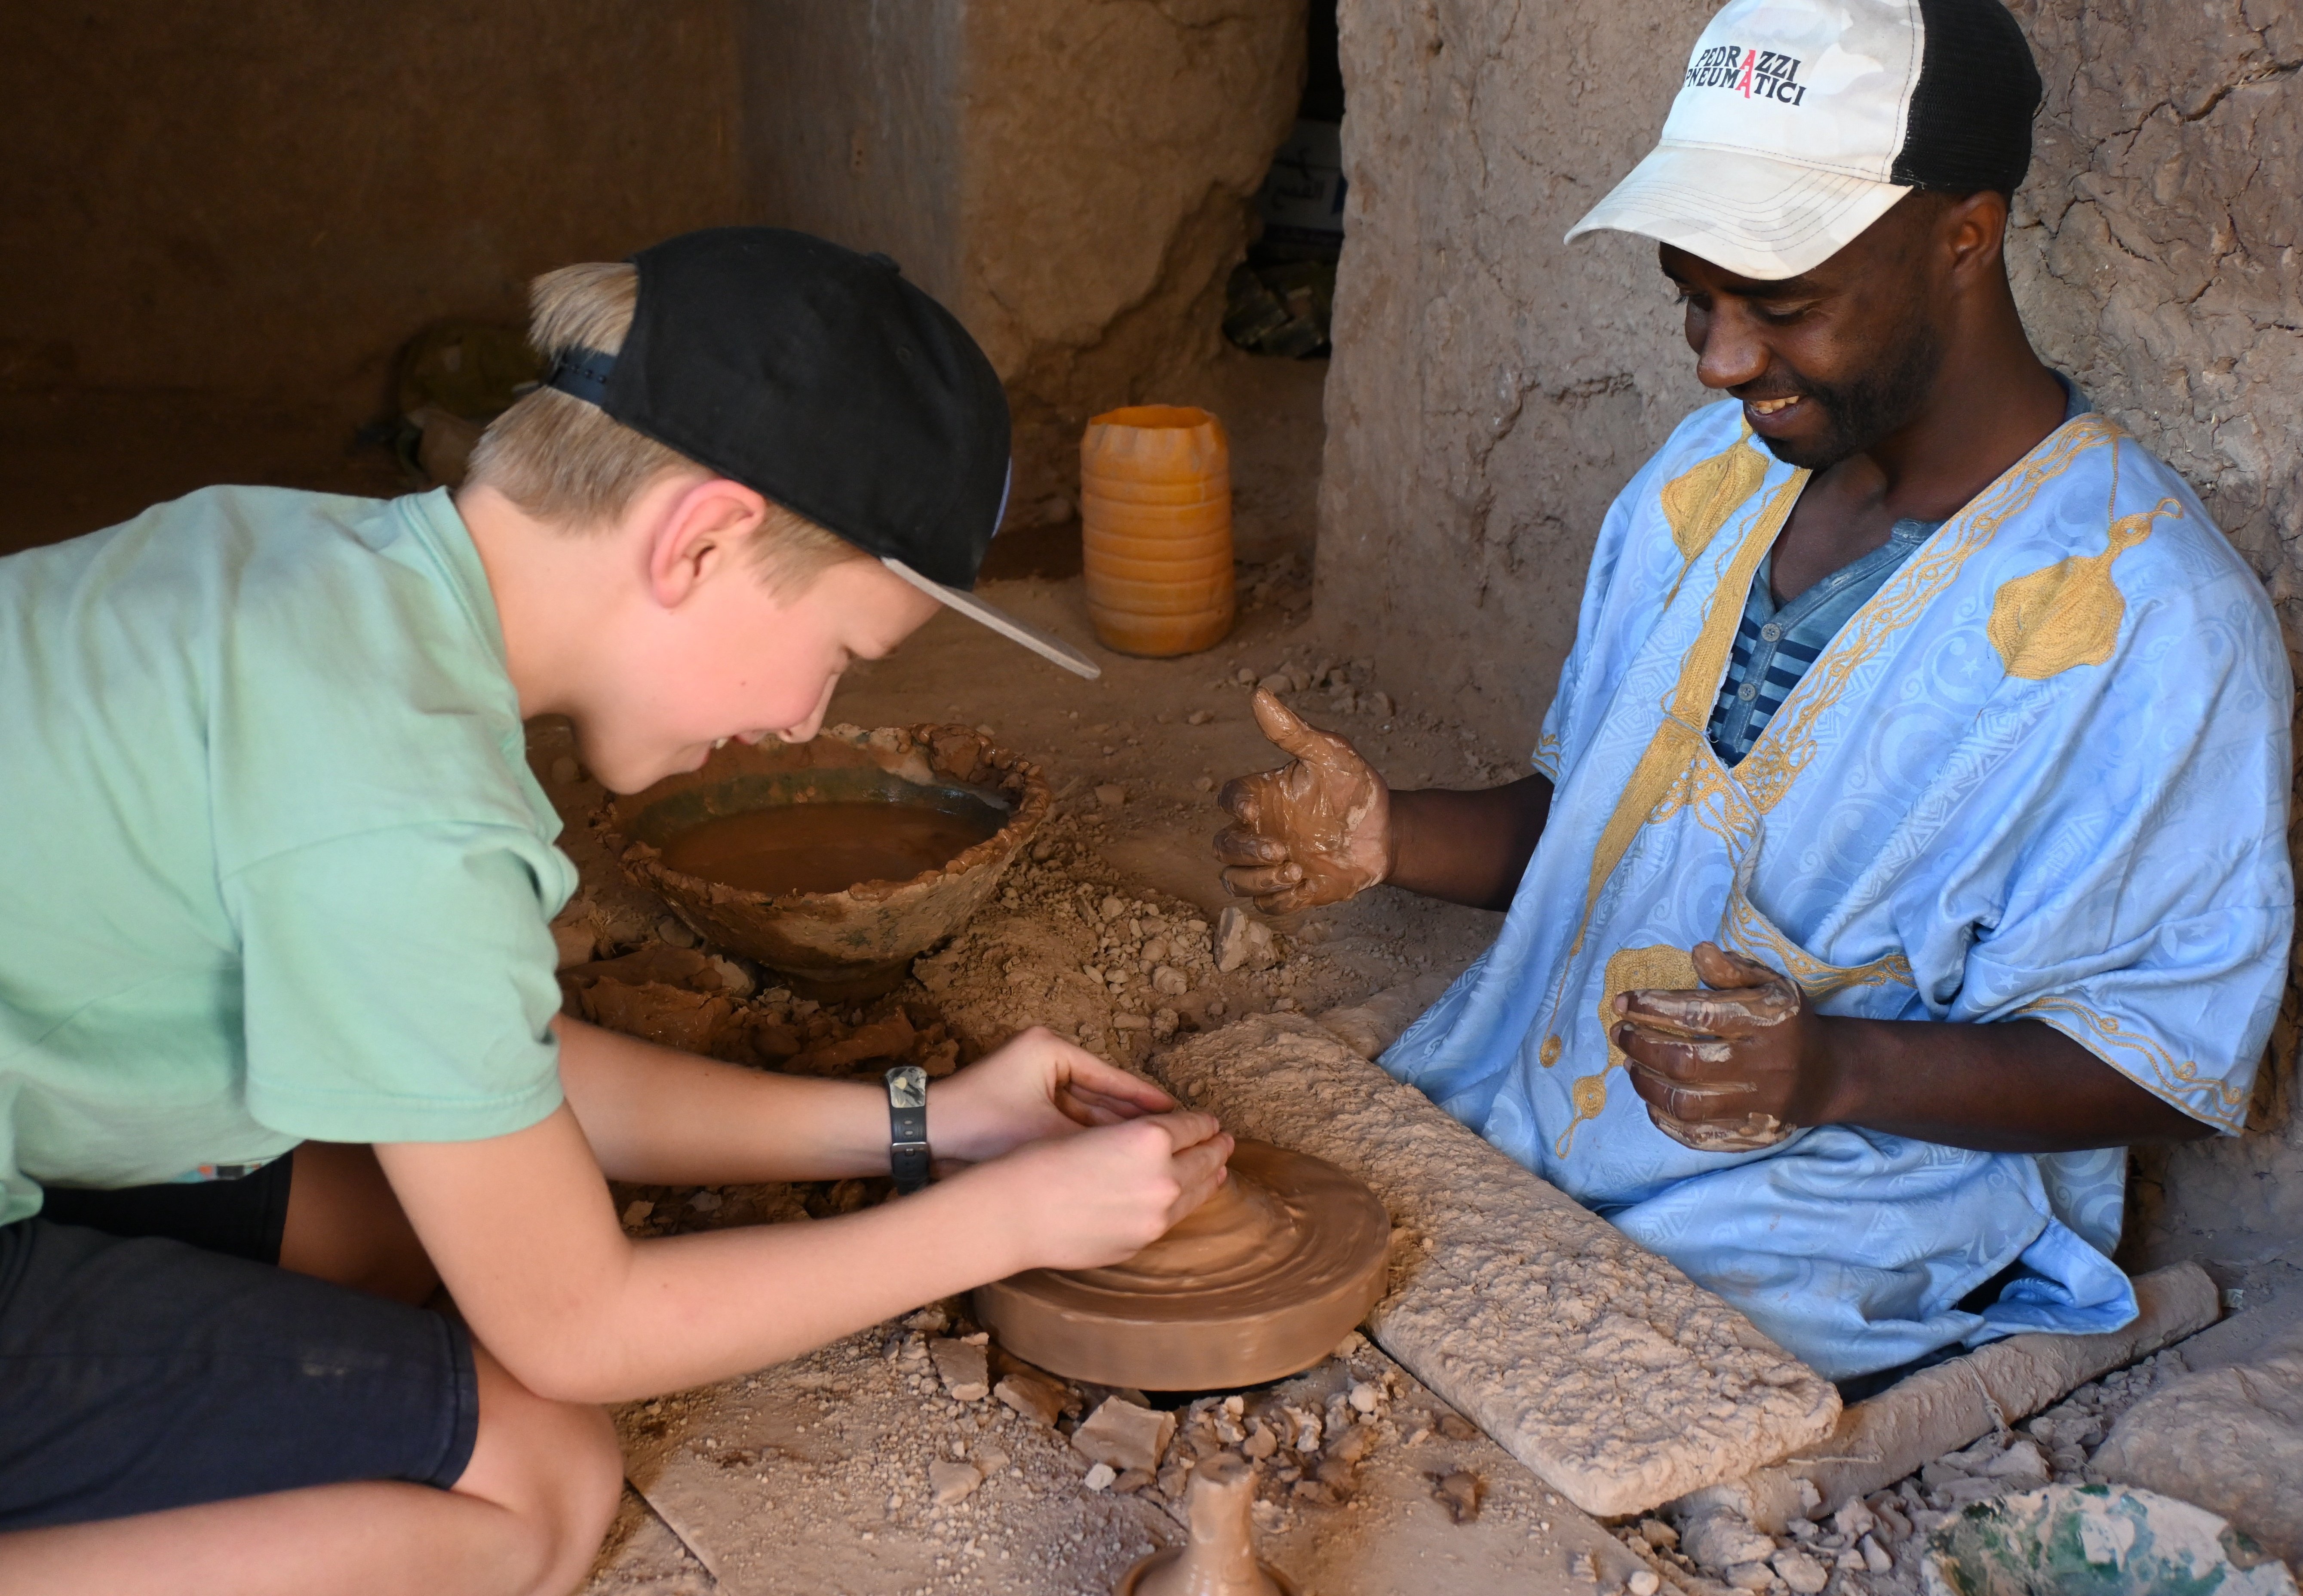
(567, 462)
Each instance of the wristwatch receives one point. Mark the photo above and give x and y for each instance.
(908, 1126)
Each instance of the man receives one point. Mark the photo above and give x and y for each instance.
(1909, 826)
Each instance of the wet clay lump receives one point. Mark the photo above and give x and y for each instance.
(1220, 1558)
(822, 848)
(1260, 1281)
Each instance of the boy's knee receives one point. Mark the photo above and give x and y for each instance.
(556, 1465)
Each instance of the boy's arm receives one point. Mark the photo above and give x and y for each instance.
(658, 1116)
(524, 1234)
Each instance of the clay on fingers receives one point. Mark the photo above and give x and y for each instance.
(1317, 808)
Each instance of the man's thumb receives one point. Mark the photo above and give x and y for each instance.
(1722, 971)
(1283, 726)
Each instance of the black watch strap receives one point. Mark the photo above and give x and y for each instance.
(908, 1126)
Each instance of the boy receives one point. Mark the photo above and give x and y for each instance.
(276, 874)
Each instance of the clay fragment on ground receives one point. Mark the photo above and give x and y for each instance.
(771, 1042)
(1126, 1436)
(1243, 943)
(1035, 1396)
(656, 962)
(888, 1038)
(1459, 1493)
(964, 1368)
(1801, 1571)
(574, 941)
(952, 1483)
(673, 1016)
(1525, 1309)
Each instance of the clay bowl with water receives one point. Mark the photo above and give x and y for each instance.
(837, 862)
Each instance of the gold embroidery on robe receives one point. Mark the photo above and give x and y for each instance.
(1744, 928)
(1661, 967)
(1697, 502)
(1680, 739)
(2068, 613)
(2177, 1080)
(1784, 749)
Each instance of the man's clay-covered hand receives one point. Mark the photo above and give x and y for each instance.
(1317, 830)
(1730, 1067)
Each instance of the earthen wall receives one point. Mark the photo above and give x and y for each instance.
(1111, 151)
(268, 199)
(1492, 388)
(852, 126)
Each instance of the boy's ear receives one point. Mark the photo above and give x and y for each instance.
(698, 531)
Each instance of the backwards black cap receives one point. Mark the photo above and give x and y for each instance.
(821, 378)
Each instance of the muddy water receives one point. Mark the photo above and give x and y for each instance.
(822, 847)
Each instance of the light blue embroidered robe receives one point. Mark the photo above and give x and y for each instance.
(2041, 774)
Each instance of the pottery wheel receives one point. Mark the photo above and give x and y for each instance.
(1259, 1282)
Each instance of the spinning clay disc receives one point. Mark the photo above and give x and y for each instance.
(1260, 1281)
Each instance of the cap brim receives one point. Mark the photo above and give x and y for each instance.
(1043, 644)
(1751, 215)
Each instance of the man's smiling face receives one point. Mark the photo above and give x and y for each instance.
(1830, 362)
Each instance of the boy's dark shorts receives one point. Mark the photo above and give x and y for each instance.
(140, 1371)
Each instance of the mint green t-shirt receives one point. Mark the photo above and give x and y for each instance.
(272, 863)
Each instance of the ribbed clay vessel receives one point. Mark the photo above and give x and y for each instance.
(1155, 514)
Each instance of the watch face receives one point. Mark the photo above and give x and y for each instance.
(907, 1087)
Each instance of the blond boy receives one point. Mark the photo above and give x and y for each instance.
(279, 1047)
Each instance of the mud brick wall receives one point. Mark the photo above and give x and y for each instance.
(1493, 388)
(266, 199)
(1074, 180)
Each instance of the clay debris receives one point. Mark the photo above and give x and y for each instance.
(963, 1365)
(1602, 1367)
(1035, 1396)
(723, 1008)
(1126, 1436)
(1964, 1404)
(1873, 1544)
(1243, 943)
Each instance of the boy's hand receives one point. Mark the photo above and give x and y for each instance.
(1318, 830)
(1036, 1086)
(1084, 1201)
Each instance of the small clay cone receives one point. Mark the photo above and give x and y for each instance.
(1220, 1558)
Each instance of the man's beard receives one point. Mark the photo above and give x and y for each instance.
(1858, 414)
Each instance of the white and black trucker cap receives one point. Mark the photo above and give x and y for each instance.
(1799, 123)
(823, 380)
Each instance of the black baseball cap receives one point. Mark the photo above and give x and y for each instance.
(824, 380)
(1800, 123)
